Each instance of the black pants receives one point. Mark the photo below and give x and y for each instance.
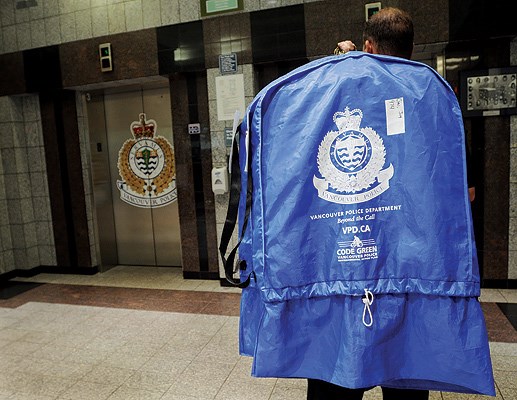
(320, 390)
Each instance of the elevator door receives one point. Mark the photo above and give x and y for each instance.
(138, 139)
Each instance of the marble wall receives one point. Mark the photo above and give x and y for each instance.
(84, 143)
(225, 35)
(53, 22)
(512, 244)
(220, 151)
(26, 231)
(77, 26)
(330, 21)
(134, 56)
(60, 21)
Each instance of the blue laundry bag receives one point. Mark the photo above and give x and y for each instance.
(357, 253)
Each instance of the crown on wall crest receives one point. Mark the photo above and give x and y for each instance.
(143, 129)
(348, 120)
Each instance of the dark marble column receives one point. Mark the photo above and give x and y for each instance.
(206, 169)
(496, 194)
(189, 103)
(12, 79)
(64, 169)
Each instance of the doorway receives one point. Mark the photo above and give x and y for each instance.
(133, 174)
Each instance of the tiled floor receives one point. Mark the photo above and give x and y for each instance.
(145, 333)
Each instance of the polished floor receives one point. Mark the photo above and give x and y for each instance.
(146, 333)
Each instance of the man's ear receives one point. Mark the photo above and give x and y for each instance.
(368, 47)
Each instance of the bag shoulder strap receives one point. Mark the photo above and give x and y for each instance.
(231, 217)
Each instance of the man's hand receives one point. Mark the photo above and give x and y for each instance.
(472, 193)
(344, 47)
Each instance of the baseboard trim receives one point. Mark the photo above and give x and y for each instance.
(50, 269)
(201, 275)
(225, 283)
(499, 284)
(47, 269)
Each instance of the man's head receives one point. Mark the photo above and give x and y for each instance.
(390, 32)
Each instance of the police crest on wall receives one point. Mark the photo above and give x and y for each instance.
(146, 166)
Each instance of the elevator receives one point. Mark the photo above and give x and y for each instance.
(133, 175)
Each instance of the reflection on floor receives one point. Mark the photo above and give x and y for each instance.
(146, 333)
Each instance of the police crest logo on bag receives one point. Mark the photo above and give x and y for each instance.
(350, 162)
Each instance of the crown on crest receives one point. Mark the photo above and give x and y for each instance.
(143, 129)
(348, 120)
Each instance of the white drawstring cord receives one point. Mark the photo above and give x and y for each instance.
(248, 130)
(368, 301)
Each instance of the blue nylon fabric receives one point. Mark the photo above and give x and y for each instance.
(428, 239)
(416, 342)
(413, 248)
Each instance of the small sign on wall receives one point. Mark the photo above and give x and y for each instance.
(105, 57)
(229, 91)
(228, 63)
(194, 129)
(228, 137)
(489, 92)
(371, 9)
(211, 7)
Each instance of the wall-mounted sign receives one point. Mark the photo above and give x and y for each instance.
(146, 165)
(489, 92)
(228, 137)
(105, 57)
(371, 9)
(211, 7)
(194, 129)
(228, 63)
(230, 96)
